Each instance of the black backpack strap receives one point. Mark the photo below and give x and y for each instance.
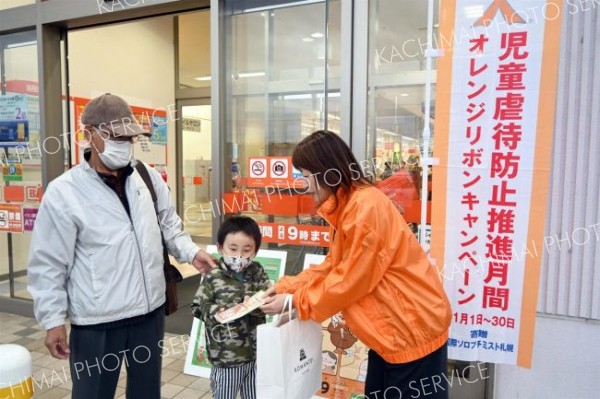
(141, 168)
(171, 273)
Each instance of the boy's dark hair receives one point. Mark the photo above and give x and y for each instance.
(238, 224)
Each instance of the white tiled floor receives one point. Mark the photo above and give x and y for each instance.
(52, 377)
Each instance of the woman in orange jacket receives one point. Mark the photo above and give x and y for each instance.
(375, 273)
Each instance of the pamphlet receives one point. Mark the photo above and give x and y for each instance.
(242, 309)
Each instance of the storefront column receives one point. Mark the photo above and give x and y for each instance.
(360, 58)
(52, 139)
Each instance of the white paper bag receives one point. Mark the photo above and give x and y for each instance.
(289, 360)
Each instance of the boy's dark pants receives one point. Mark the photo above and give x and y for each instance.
(97, 355)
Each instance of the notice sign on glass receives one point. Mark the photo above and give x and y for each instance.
(14, 132)
(276, 172)
(11, 218)
(29, 216)
(12, 171)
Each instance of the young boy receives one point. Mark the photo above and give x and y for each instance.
(232, 347)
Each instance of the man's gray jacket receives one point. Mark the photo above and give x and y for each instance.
(93, 263)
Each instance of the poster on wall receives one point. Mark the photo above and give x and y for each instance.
(344, 367)
(12, 171)
(196, 361)
(13, 106)
(159, 130)
(496, 91)
(14, 125)
(29, 109)
(14, 133)
(29, 216)
(144, 149)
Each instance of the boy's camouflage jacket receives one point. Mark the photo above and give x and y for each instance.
(231, 344)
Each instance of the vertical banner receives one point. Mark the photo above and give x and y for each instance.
(196, 361)
(495, 119)
(344, 367)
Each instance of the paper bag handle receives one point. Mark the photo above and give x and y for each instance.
(288, 302)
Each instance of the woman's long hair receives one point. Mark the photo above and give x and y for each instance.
(329, 158)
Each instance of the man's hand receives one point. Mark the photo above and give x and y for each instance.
(204, 262)
(56, 342)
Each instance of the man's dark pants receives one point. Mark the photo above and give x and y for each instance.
(98, 353)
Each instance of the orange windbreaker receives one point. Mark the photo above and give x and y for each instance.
(377, 274)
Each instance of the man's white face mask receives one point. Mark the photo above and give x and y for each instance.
(117, 154)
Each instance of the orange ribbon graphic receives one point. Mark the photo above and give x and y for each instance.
(508, 12)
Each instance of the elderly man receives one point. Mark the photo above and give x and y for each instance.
(96, 258)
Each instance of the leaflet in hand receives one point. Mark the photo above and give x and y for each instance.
(242, 309)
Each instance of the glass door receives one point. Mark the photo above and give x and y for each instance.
(195, 169)
(20, 157)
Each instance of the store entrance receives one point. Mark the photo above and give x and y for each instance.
(150, 65)
(195, 162)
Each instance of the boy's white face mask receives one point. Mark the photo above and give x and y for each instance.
(237, 263)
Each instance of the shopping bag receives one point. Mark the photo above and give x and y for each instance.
(288, 358)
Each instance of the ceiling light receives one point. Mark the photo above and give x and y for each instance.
(285, 4)
(317, 35)
(308, 39)
(403, 94)
(250, 74)
(22, 44)
(203, 78)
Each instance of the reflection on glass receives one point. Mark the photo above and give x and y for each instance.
(197, 167)
(6, 4)
(397, 44)
(194, 49)
(283, 61)
(20, 156)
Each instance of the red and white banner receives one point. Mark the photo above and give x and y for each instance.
(295, 234)
(495, 114)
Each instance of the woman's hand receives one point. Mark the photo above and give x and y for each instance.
(273, 303)
(269, 292)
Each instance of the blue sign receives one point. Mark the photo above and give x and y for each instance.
(159, 130)
(14, 132)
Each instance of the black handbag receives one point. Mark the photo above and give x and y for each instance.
(172, 275)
